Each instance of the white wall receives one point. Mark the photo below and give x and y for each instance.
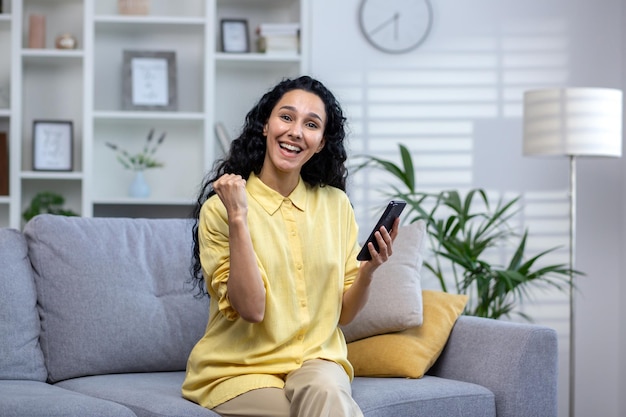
(464, 129)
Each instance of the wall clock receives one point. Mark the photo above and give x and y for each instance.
(395, 26)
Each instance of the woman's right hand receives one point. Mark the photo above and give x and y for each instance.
(231, 189)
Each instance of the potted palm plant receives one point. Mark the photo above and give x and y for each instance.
(462, 230)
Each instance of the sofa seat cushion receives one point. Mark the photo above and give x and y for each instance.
(147, 394)
(20, 353)
(428, 396)
(114, 294)
(38, 399)
(158, 394)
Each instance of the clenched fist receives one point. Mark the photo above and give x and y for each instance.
(231, 189)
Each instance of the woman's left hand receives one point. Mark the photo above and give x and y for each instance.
(356, 296)
(385, 241)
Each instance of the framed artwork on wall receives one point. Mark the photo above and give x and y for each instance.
(149, 80)
(52, 145)
(234, 35)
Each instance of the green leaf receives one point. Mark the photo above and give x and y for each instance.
(409, 172)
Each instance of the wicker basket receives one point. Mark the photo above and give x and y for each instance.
(141, 7)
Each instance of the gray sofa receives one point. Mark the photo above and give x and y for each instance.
(97, 318)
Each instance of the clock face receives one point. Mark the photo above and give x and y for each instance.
(395, 26)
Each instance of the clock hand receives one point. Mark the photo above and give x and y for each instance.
(393, 19)
(396, 26)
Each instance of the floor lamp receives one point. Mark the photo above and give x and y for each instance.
(573, 122)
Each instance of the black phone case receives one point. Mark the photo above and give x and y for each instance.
(393, 210)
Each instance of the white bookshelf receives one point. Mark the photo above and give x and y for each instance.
(84, 85)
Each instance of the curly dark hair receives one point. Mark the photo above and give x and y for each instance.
(247, 153)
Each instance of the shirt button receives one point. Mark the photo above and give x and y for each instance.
(298, 361)
(299, 267)
(303, 303)
(300, 337)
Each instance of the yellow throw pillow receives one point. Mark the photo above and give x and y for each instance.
(409, 353)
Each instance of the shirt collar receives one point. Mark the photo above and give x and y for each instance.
(271, 199)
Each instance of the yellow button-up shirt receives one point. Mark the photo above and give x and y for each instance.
(306, 247)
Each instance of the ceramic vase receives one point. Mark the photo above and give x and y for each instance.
(37, 31)
(139, 188)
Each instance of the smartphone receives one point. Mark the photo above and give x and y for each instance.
(391, 213)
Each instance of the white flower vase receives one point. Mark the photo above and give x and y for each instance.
(139, 188)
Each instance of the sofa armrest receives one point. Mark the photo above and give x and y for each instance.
(516, 361)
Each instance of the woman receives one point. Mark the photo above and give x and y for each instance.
(276, 240)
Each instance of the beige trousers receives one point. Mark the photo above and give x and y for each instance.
(318, 389)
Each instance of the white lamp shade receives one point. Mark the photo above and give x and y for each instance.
(573, 122)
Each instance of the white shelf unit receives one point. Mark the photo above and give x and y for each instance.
(171, 26)
(85, 86)
(45, 84)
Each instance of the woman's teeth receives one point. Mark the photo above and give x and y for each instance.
(290, 148)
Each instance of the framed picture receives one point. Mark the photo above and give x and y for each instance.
(149, 80)
(234, 34)
(52, 145)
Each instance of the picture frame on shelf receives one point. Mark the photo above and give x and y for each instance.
(53, 145)
(234, 35)
(149, 80)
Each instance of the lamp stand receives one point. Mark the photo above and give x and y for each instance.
(573, 122)
(572, 257)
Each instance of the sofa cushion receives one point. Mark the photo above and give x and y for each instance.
(412, 352)
(114, 294)
(20, 354)
(153, 394)
(429, 396)
(395, 301)
(146, 394)
(38, 399)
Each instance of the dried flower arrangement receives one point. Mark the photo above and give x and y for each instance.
(143, 160)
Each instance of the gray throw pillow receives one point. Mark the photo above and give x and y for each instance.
(114, 294)
(395, 301)
(20, 354)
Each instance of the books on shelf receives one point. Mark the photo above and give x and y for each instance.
(278, 29)
(278, 44)
(278, 38)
